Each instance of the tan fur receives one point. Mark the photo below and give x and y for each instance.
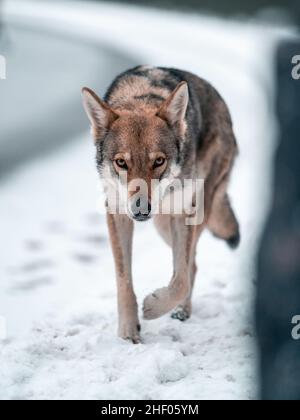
(121, 234)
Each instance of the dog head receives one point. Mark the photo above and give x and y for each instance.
(138, 146)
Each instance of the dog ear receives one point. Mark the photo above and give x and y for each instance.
(99, 113)
(173, 110)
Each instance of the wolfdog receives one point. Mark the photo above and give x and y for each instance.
(163, 124)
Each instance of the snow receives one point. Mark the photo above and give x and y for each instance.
(57, 278)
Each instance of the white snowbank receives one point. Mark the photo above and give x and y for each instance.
(57, 276)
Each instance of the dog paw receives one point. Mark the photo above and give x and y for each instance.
(158, 304)
(130, 332)
(181, 314)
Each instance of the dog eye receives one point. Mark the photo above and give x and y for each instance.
(121, 163)
(159, 162)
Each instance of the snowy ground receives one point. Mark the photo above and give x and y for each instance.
(57, 278)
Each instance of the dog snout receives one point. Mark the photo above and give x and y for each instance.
(141, 209)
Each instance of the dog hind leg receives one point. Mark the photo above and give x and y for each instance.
(184, 311)
(222, 221)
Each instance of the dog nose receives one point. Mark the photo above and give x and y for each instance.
(141, 210)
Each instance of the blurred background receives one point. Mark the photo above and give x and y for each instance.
(266, 9)
(24, 40)
(48, 184)
(42, 46)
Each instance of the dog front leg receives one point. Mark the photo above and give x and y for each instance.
(121, 234)
(164, 300)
